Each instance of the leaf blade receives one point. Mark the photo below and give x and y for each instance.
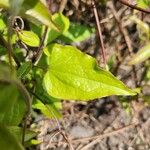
(13, 113)
(77, 73)
(8, 140)
(76, 33)
(24, 69)
(37, 12)
(29, 38)
(62, 22)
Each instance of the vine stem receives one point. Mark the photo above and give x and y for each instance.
(134, 7)
(9, 46)
(99, 32)
(40, 48)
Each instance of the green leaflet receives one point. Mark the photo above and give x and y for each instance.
(49, 110)
(17, 132)
(142, 55)
(37, 12)
(12, 105)
(75, 75)
(76, 33)
(8, 140)
(5, 73)
(48, 105)
(2, 24)
(29, 38)
(62, 22)
(24, 70)
(33, 10)
(143, 3)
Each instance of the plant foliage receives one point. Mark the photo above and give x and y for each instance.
(30, 79)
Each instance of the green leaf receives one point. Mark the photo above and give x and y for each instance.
(29, 38)
(36, 12)
(17, 132)
(8, 140)
(48, 105)
(12, 105)
(49, 110)
(2, 24)
(6, 73)
(36, 29)
(75, 75)
(142, 55)
(143, 3)
(24, 70)
(77, 33)
(35, 142)
(33, 10)
(5, 93)
(62, 22)
(4, 4)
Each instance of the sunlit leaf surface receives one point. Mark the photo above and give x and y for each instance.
(75, 75)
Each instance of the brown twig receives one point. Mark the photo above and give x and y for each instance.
(40, 48)
(126, 39)
(67, 140)
(134, 7)
(99, 32)
(97, 138)
(106, 135)
(9, 35)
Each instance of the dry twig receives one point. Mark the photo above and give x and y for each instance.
(126, 39)
(100, 137)
(40, 48)
(134, 7)
(99, 32)
(97, 138)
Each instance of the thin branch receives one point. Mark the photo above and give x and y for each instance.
(99, 32)
(126, 39)
(97, 138)
(134, 7)
(42, 100)
(67, 140)
(40, 48)
(9, 46)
